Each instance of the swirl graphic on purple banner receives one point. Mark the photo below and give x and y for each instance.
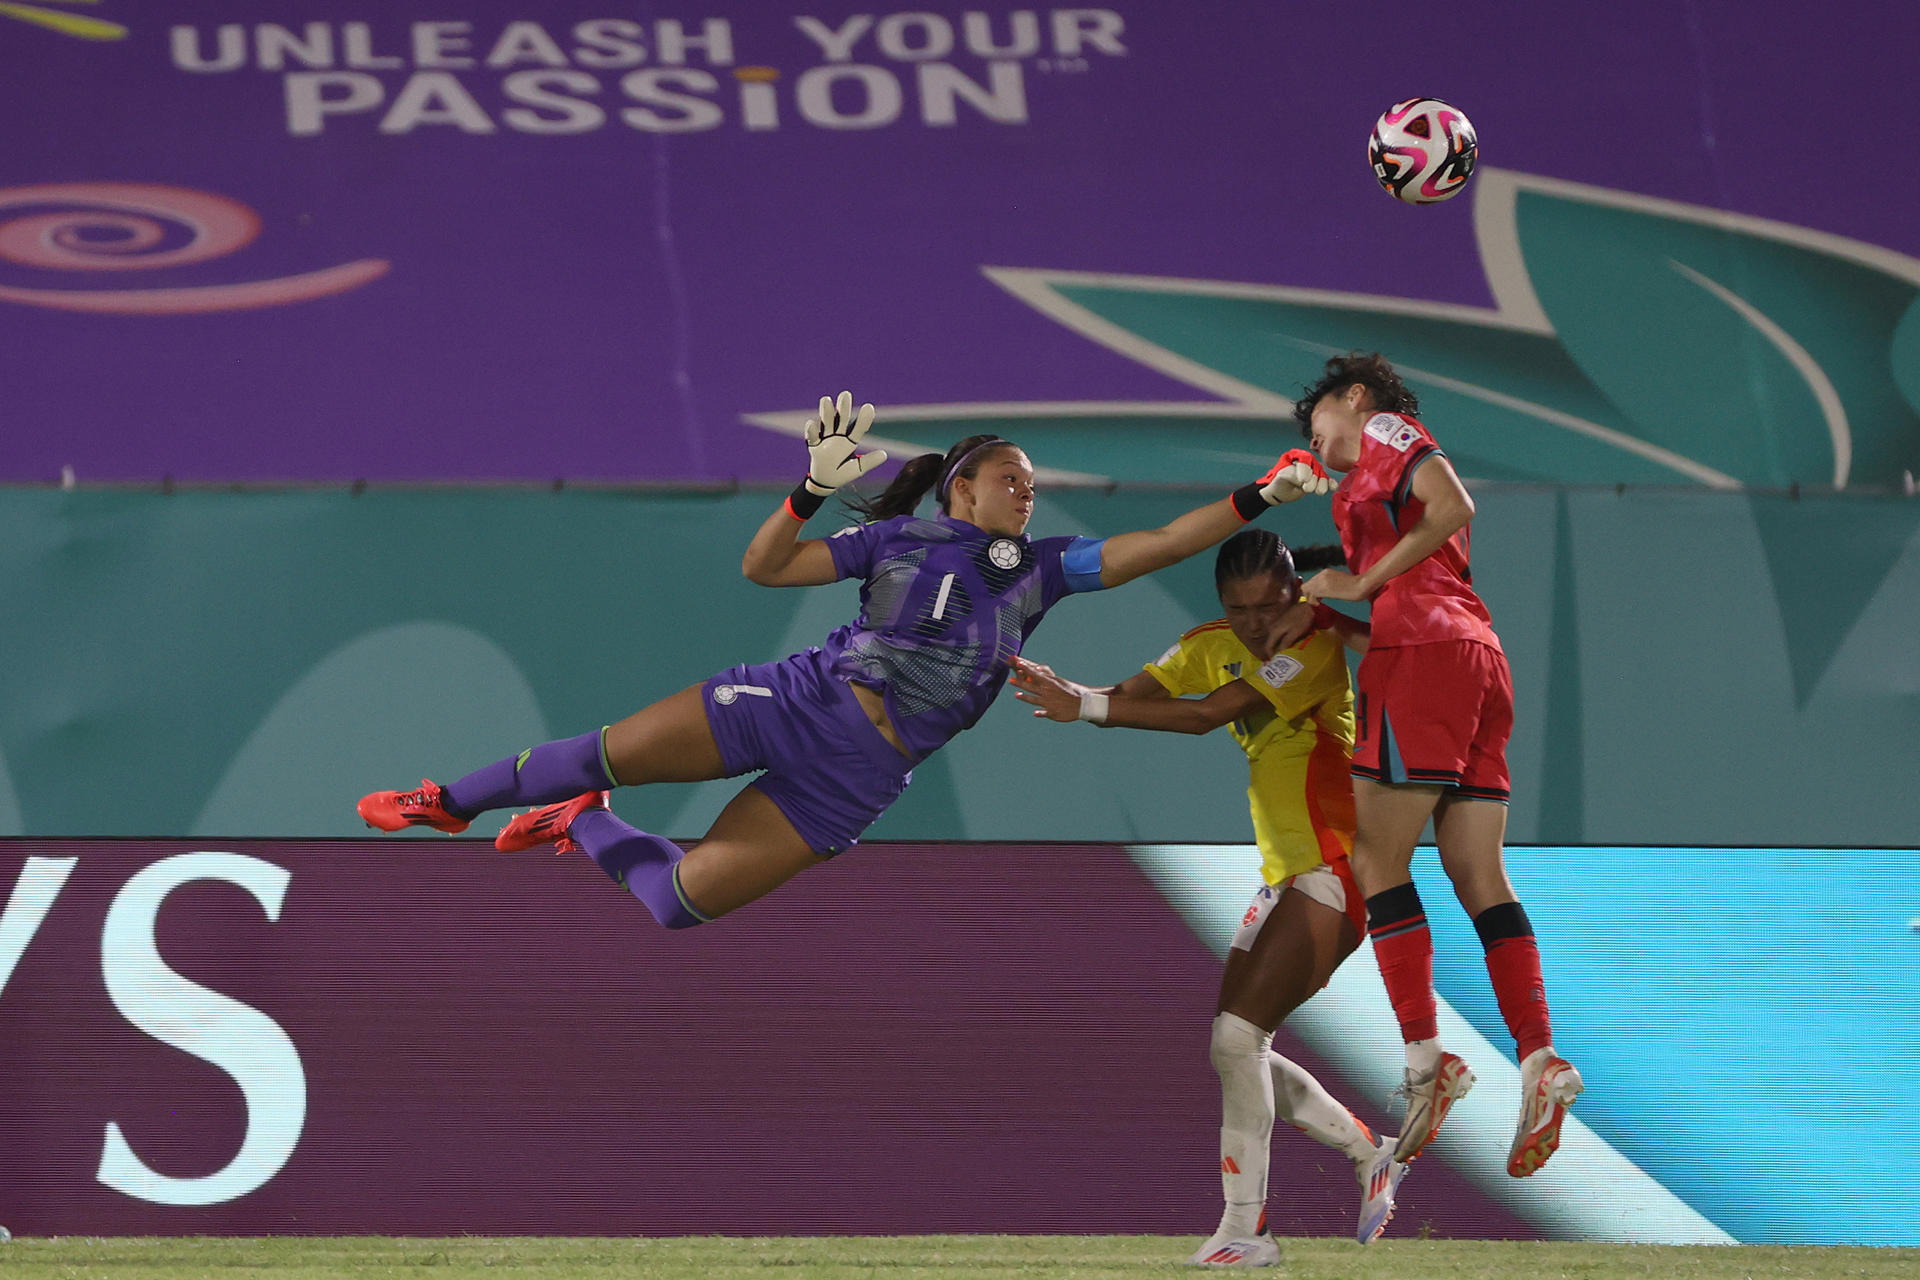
(76, 25)
(138, 226)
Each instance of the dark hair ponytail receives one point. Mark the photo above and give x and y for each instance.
(1322, 555)
(903, 492)
(925, 473)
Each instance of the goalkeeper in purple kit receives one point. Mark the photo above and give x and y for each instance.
(833, 732)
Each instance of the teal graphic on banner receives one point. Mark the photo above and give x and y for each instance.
(1632, 341)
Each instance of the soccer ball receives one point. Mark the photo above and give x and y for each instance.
(1423, 150)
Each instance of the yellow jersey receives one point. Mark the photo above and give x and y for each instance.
(1299, 748)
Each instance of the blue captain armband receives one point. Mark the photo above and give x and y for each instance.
(1081, 563)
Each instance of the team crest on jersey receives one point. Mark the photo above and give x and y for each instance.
(1393, 431)
(1005, 553)
(1280, 670)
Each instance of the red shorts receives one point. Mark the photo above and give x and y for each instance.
(1437, 713)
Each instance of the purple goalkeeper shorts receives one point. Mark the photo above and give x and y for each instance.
(827, 768)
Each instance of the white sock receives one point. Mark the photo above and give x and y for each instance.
(1423, 1058)
(1239, 1053)
(1304, 1103)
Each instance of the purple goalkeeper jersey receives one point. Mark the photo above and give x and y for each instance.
(944, 607)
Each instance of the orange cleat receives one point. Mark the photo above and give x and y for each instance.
(398, 810)
(548, 824)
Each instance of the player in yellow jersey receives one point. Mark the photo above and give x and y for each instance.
(1274, 670)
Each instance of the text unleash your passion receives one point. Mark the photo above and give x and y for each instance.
(862, 72)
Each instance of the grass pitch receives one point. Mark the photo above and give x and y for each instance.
(944, 1257)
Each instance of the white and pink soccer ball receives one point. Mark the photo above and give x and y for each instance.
(1423, 150)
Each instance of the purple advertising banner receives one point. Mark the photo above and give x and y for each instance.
(427, 1037)
(479, 240)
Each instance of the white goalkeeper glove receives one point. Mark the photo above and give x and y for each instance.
(1297, 474)
(833, 444)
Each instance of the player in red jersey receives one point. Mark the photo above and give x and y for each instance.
(1435, 709)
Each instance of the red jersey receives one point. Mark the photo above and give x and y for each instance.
(1372, 508)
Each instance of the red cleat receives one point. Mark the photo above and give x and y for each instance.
(398, 810)
(548, 824)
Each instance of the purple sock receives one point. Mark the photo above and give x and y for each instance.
(648, 865)
(546, 774)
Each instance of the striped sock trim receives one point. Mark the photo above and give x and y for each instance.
(606, 765)
(685, 902)
(1502, 922)
(1395, 911)
(1397, 928)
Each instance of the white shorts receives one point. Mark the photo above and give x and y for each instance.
(1319, 884)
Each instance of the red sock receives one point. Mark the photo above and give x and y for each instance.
(1514, 966)
(1513, 962)
(1403, 948)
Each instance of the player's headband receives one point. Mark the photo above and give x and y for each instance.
(946, 481)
